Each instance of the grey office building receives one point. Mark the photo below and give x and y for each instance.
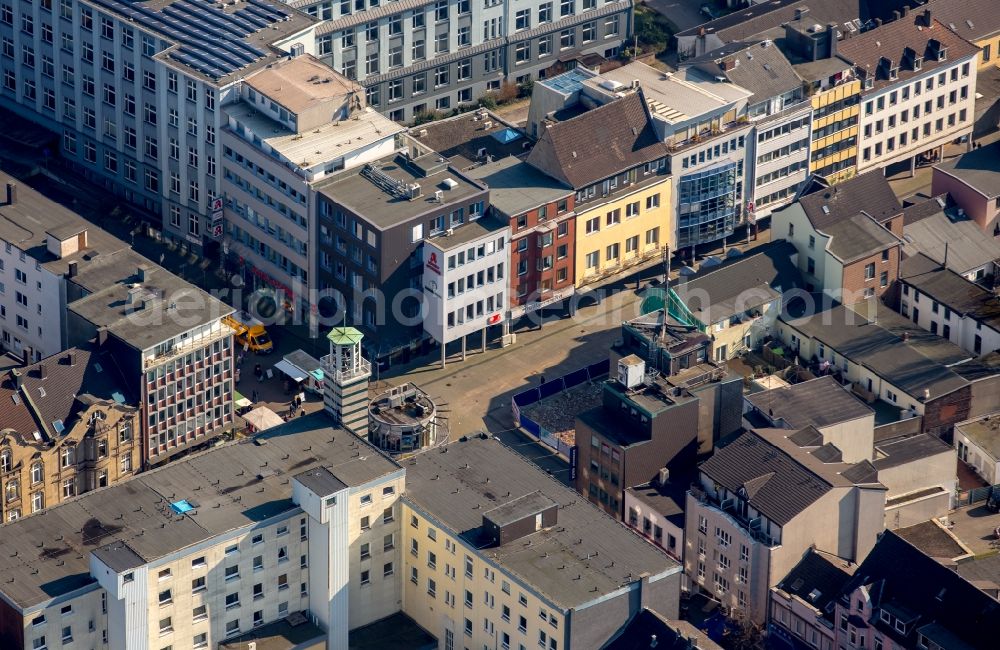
(419, 56)
(135, 90)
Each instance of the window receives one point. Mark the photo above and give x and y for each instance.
(870, 271)
(166, 625)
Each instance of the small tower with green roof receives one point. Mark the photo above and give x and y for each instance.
(345, 380)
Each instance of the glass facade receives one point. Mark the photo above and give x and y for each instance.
(709, 204)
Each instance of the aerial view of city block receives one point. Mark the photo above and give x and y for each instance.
(500, 325)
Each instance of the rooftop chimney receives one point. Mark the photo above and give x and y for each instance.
(140, 275)
(71, 270)
(15, 376)
(27, 354)
(878, 22)
(71, 358)
(11, 193)
(895, 14)
(727, 64)
(906, 10)
(831, 29)
(927, 18)
(801, 11)
(41, 371)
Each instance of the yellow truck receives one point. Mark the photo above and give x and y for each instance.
(249, 332)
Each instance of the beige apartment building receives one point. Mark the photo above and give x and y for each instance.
(753, 511)
(308, 525)
(497, 554)
(67, 428)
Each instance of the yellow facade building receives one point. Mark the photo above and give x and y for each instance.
(834, 147)
(614, 159)
(631, 226)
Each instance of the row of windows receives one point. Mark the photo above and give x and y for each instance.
(916, 88)
(905, 138)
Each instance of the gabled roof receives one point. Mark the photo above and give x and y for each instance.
(818, 579)
(952, 290)
(760, 17)
(858, 237)
(929, 227)
(900, 577)
(971, 19)
(866, 50)
(760, 67)
(869, 193)
(781, 487)
(72, 379)
(600, 143)
(741, 283)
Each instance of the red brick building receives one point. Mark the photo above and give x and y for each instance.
(542, 224)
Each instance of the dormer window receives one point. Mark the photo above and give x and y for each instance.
(942, 54)
(894, 73)
(918, 62)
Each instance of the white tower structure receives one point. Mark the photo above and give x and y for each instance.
(345, 380)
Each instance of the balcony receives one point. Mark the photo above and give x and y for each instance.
(750, 526)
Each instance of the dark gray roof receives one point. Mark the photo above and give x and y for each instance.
(858, 237)
(602, 142)
(516, 187)
(458, 483)
(172, 305)
(973, 20)
(979, 169)
(27, 223)
(750, 21)
(849, 334)
(461, 138)
(47, 554)
(321, 481)
(981, 570)
(817, 579)
(670, 635)
(760, 67)
(819, 403)
(119, 556)
(741, 283)
(930, 345)
(900, 577)
(869, 193)
(666, 500)
(472, 231)
(385, 209)
(952, 290)
(932, 539)
(777, 485)
(906, 449)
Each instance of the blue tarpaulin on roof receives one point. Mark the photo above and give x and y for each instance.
(505, 136)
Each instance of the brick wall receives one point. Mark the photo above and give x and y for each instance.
(855, 283)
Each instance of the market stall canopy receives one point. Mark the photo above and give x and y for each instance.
(262, 418)
(293, 371)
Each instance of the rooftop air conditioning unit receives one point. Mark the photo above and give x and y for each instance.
(438, 196)
(449, 232)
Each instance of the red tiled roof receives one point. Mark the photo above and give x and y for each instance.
(866, 50)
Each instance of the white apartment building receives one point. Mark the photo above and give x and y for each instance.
(946, 304)
(296, 121)
(465, 280)
(918, 91)
(207, 549)
(135, 91)
(778, 156)
(42, 243)
(431, 55)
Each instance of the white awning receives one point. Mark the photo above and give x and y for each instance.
(291, 370)
(263, 418)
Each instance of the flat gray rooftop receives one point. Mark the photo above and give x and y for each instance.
(819, 403)
(570, 563)
(384, 209)
(172, 305)
(28, 222)
(231, 487)
(471, 231)
(516, 187)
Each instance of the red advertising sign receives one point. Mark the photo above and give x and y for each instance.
(432, 263)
